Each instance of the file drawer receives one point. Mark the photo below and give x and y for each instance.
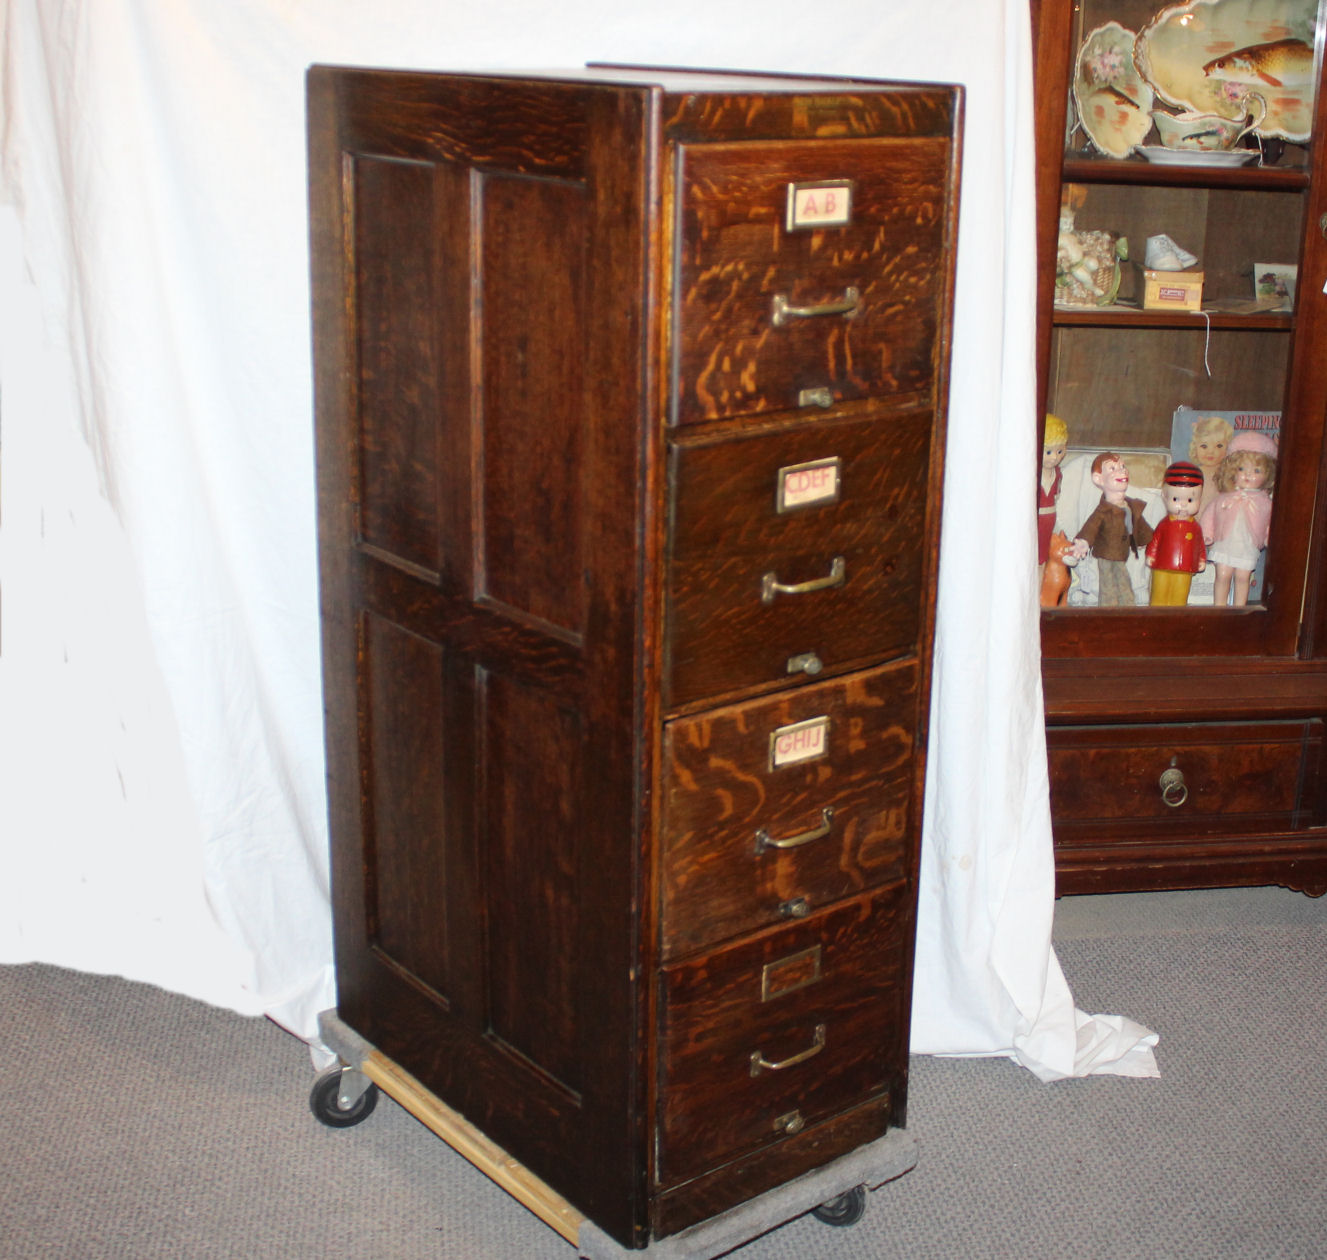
(768, 1036)
(775, 808)
(806, 273)
(768, 583)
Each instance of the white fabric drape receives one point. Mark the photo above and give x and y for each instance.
(161, 801)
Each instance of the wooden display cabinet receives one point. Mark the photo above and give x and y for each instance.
(1186, 744)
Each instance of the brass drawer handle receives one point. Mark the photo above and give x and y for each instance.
(761, 1064)
(1174, 791)
(764, 840)
(785, 311)
(770, 586)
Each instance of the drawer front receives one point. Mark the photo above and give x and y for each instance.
(847, 302)
(774, 808)
(775, 1034)
(757, 584)
(1219, 776)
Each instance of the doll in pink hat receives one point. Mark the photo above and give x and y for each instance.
(1235, 523)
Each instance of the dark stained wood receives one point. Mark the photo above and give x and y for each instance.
(721, 790)
(1236, 775)
(1116, 377)
(725, 1007)
(736, 258)
(727, 534)
(536, 598)
(702, 1197)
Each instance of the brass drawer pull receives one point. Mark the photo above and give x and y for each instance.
(1174, 791)
(770, 586)
(761, 1064)
(785, 311)
(764, 840)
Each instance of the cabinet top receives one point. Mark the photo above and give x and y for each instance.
(678, 80)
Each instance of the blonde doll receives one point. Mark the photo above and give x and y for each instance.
(1235, 524)
(1207, 448)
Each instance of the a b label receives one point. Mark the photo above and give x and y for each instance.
(808, 485)
(802, 741)
(828, 204)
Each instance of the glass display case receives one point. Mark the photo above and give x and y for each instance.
(1183, 364)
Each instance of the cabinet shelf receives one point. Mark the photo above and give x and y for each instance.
(1119, 316)
(1079, 170)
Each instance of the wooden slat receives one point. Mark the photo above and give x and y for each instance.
(468, 1141)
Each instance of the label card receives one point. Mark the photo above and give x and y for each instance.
(808, 485)
(827, 204)
(802, 741)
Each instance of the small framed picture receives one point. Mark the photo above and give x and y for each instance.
(1275, 281)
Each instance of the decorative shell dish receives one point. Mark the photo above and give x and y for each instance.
(1113, 99)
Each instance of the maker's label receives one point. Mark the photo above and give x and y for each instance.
(827, 204)
(809, 484)
(802, 741)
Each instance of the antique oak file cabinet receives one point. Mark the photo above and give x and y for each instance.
(631, 391)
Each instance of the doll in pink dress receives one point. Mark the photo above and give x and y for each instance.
(1235, 523)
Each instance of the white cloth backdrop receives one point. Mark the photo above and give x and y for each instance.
(161, 806)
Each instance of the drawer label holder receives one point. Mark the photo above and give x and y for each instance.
(807, 485)
(801, 741)
(827, 203)
(787, 975)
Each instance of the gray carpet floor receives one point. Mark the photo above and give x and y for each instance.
(140, 1124)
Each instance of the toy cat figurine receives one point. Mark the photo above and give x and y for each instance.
(1055, 576)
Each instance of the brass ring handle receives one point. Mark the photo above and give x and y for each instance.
(764, 841)
(1174, 791)
(784, 310)
(761, 1064)
(770, 586)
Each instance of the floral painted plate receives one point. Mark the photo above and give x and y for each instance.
(1113, 99)
(1213, 56)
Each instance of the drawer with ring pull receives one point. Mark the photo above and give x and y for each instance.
(774, 808)
(794, 552)
(1182, 780)
(806, 273)
(772, 1035)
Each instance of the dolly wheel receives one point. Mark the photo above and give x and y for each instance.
(325, 1104)
(847, 1209)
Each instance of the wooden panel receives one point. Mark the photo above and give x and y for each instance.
(840, 973)
(404, 850)
(736, 256)
(1166, 368)
(720, 789)
(1236, 775)
(396, 287)
(728, 534)
(534, 235)
(532, 861)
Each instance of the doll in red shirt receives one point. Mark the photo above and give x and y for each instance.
(1176, 551)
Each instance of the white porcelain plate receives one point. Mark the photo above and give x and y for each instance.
(1196, 157)
(1112, 99)
(1211, 56)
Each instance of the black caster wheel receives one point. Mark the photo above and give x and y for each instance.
(325, 1106)
(847, 1209)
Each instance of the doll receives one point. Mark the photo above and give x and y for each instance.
(1207, 448)
(1114, 531)
(1176, 551)
(1236, 522)
(1048, 488)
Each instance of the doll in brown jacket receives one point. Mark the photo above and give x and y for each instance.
(1114, 531)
